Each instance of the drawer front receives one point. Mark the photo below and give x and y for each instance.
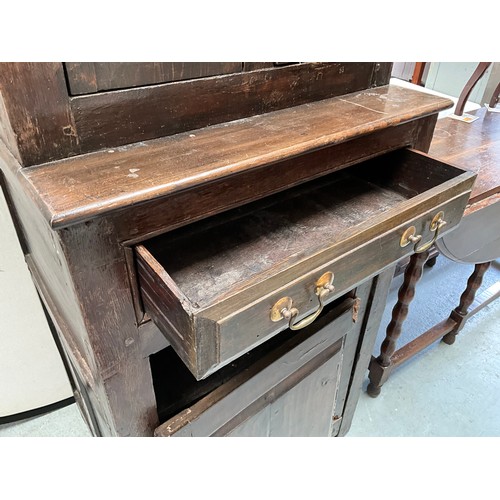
(243, 328)
(291, 391)
(225, 332)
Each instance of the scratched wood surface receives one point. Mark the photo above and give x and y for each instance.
(215, 282)
(82, 267)
(209, 264)
(213, 258)
(42, 121)
(473, 146)
(234, 419)
(88, 77)
(273, 374)
(167, 367)
(115, 118)
(37, 120)
(79, 188)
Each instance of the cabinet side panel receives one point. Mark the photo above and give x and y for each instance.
(370, 325)
(53, 280)
(351, 345)
(37, 102)
(101, 281)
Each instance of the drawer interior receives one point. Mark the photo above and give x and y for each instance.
(215, 258)
(176, 389)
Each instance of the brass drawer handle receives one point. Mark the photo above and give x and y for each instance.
(409, 235)
(283, 308)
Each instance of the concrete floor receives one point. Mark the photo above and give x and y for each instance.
(445, 390)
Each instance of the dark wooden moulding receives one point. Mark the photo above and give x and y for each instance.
(208, 170)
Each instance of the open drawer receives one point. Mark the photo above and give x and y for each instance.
(220, 287)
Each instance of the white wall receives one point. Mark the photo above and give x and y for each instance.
(451, 77)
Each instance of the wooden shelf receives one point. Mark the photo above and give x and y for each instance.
(82, 187)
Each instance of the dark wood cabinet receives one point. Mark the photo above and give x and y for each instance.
(42, 120)
(179, 232)
(88, 78)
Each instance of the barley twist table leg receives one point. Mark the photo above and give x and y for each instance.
(459, 314)
(380, 367)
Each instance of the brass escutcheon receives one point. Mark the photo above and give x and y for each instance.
(409, 236)
(284, 304)
(283, 309)
(438, 221)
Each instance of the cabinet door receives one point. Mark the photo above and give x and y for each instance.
(305, 409)
(88, 78)
(291, 391)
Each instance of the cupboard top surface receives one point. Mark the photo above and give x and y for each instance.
(83, 187)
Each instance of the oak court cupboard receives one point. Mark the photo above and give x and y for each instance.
(213, 243)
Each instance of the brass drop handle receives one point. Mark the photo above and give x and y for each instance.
(283, 309)
(409, 235)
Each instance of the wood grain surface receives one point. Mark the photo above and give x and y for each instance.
(476, 147)
(215, 282)
(130, 102)
(78, 214)
(473, 146)
(79, 188)
(88, 77)
(138, 114)
(209, 260)
(38, 122)
(245, 394)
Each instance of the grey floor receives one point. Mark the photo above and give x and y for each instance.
(445, 390)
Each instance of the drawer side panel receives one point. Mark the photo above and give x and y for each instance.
(164, 307)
